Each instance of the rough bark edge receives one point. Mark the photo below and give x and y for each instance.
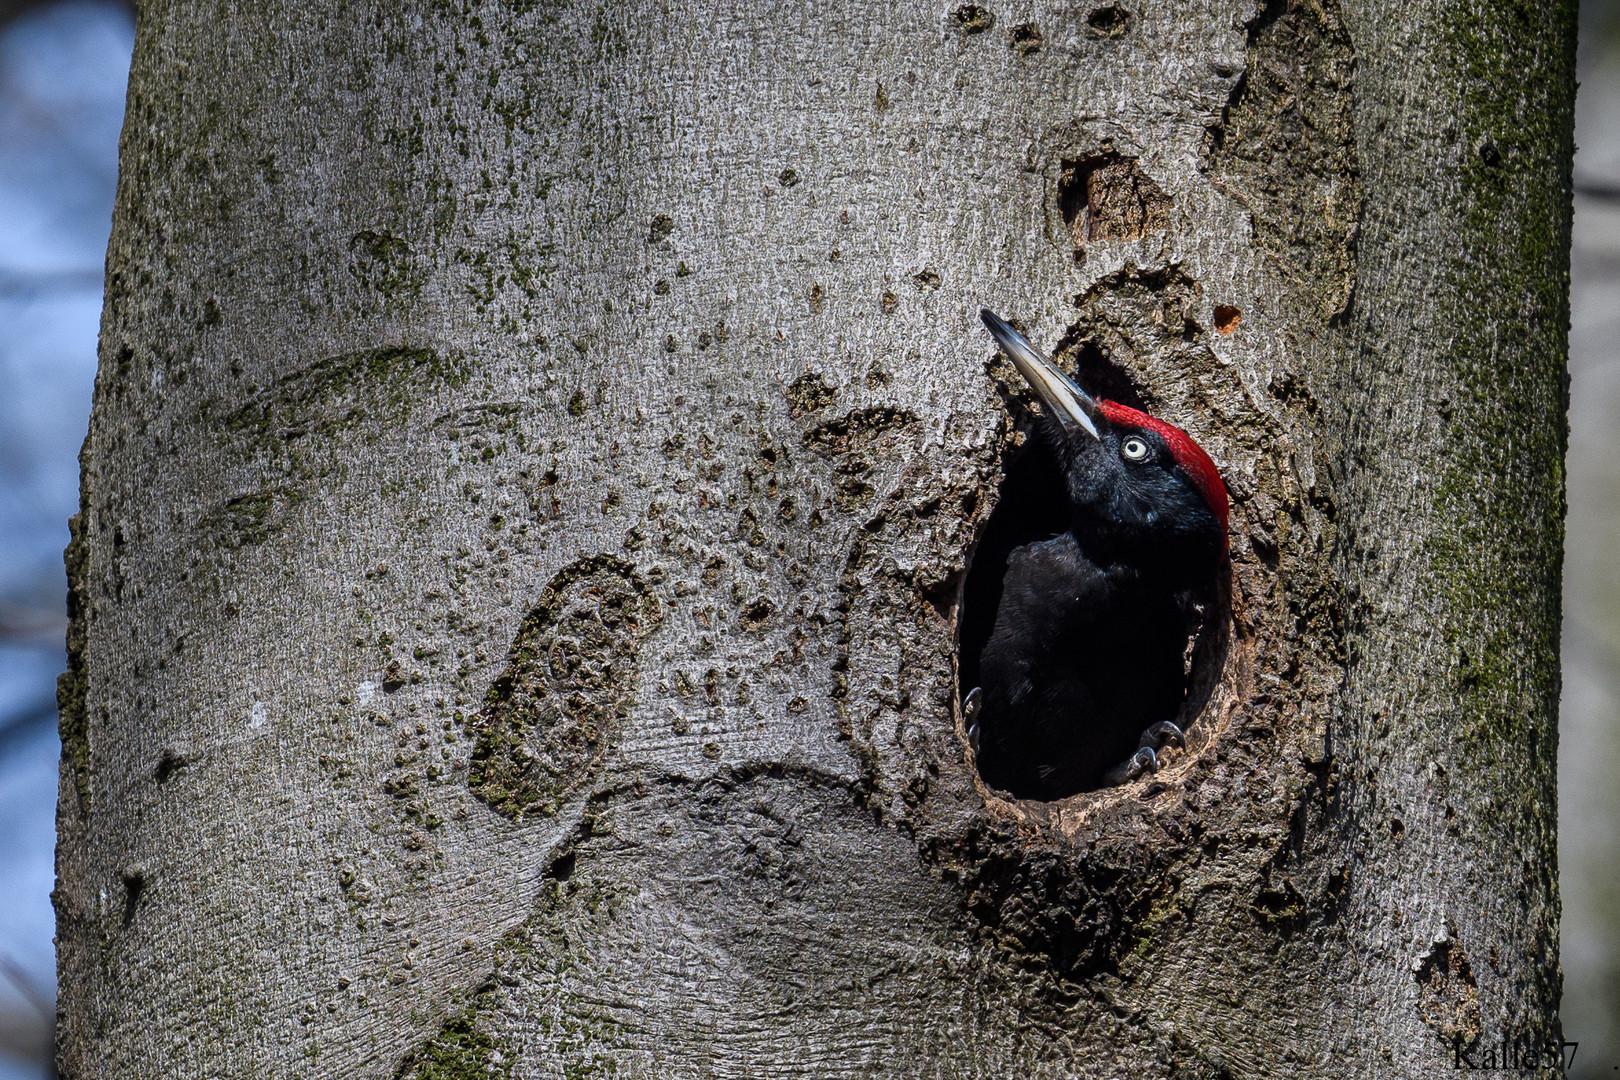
(73, 686)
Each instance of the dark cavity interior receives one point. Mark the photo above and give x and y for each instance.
(1031, 507)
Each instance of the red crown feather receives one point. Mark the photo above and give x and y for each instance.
(1188, 454)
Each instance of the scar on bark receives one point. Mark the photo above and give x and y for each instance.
(1106, 196)
(1284, 148)
(549, 719)
(1448, 995)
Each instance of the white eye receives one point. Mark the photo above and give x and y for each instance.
(1134, 449)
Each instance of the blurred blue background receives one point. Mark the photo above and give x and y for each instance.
(63, 68)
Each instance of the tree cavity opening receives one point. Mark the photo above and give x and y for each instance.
(1032, 505)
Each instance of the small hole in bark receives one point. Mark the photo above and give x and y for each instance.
(1025, 38)
(1227, 318)
(1187, 634)
(1111, 21)
(169, 762)
(562, 868)
(973, 19)
(134, 878)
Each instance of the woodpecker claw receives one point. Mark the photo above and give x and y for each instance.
(1142, 762)
(1162, 734)
(1146, 758)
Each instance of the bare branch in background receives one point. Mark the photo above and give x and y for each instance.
(15, 9)
(31, 627)
(38, 996)
(1601, 189)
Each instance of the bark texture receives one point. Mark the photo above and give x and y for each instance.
(537, 453)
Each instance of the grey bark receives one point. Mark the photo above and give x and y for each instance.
(535, 457)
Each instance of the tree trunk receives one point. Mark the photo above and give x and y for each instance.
(538, 452)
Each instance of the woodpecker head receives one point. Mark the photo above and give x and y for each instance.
(1142, 491)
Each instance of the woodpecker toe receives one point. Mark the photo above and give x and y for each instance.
(970, 716)
(1163, 734)
(1144, 761)
(1139, 764)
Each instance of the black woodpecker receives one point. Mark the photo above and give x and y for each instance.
(1083, 670)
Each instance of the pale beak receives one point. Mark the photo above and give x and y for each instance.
(1071, 406)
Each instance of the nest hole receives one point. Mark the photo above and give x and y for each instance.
(1031, 506)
